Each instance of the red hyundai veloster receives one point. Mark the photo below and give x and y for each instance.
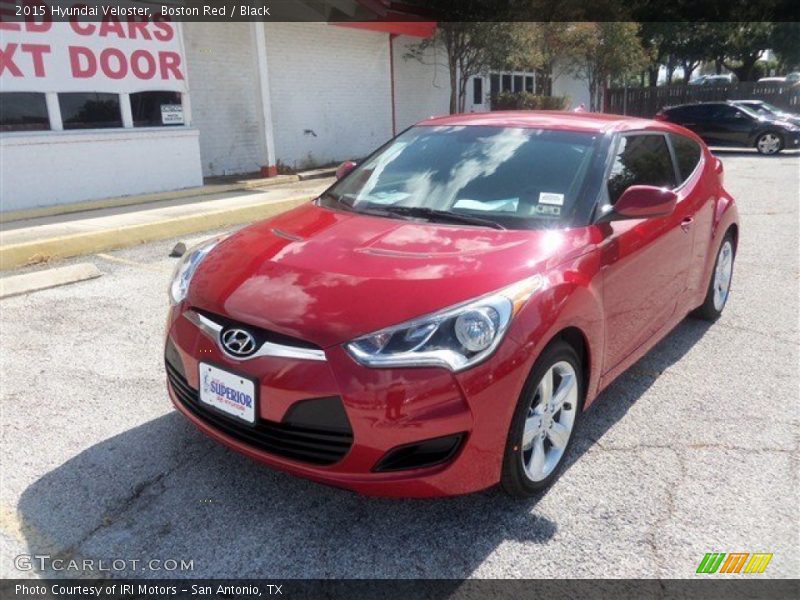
(437, 321)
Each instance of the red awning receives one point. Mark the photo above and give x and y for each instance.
(420, 29)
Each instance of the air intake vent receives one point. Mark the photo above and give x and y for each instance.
(315, 431)
(418, 455)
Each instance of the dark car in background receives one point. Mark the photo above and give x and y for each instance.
(765, 109)
(727, 124)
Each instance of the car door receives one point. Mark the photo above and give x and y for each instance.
(645, 262)
(697, 194)
(695, 117)
(730, 126)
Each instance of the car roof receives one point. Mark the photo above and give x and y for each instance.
(693, 104)
(548, 119)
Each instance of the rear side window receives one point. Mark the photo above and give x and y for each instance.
(727, 112)
(693, 112)
(687, 153)
(640, 160)
(681, 112)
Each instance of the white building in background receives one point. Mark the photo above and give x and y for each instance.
(97, 110)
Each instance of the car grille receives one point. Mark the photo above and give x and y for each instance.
(313, 445)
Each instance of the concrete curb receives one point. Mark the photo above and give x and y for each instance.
(89, 242)
(214, 188)
(49, 278)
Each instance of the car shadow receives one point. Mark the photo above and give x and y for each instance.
(163, 490)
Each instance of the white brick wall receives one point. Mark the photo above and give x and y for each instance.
(422, 89)
(224, 93)
(330, 92)
(46, 169)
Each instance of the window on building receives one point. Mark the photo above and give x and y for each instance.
(507, 83)
(23, 111)
(529, 84)
(518, 83)
(687, 153)
(641, 160)
(477, 90)
(494, 84)
(154, 109)
(80, 110)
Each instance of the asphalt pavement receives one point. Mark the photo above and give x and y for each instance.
(693, 450)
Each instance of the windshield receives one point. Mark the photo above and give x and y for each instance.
(764, 109)
(510, 177)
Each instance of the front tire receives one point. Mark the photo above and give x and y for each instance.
(544, 422)
(769, 143)
(720, 284)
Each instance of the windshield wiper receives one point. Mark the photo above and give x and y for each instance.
(339, 199)
(433, 214)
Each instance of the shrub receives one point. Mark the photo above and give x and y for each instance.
(526, 101)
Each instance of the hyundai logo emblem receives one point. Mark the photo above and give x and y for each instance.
(238, 342)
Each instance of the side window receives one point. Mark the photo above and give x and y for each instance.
(682, 113)
(154, 109)
(477, 90)
(728, 112)
(640, 160)
(89, 110)
(687, 153)
(701, 112)
(22, 111)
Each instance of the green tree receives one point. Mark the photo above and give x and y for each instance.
(654, 36)
(472, 46)
(785, 42)
(744, 44)
(604, 52)
(689, 44)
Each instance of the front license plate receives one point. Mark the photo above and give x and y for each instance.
(232, 394)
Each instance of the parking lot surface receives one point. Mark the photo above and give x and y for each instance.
(693, 450)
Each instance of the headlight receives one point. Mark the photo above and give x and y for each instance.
(186, 268)
(455, 338)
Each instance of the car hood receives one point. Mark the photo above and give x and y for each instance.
(781, 120)
(328, 276)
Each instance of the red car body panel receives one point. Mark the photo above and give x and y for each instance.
(329, 276)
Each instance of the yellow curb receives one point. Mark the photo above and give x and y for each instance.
(90, 242)
(218, 188)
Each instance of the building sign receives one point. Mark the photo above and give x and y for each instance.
(109, 53)
(171, 114)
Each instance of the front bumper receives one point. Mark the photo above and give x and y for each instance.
(384, 410)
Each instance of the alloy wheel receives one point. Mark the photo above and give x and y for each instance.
(722, 275)
(550, 420)
(769, 143)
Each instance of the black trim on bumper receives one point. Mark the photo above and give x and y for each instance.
(297, 438)
(426, 453)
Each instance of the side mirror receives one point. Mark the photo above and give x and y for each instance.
(345, 168)
(645, 202)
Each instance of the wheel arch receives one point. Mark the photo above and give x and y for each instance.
(777, 132)
(734, 229)
(579, 341)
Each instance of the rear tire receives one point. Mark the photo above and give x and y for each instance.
(542, 431)
(719, 284)
(769, 143)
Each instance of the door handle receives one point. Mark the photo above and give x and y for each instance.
(686, 224)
